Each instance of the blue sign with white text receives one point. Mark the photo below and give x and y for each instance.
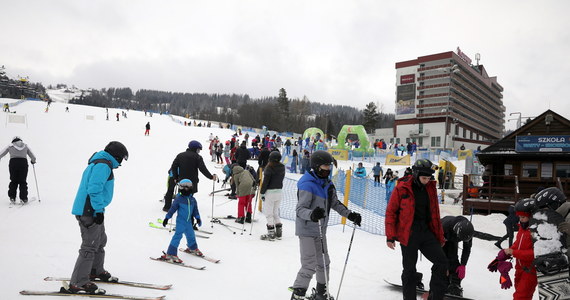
(548, 143)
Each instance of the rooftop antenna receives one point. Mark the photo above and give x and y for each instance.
(477, 58)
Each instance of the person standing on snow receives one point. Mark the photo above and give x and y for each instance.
(147, 126)
(360, 172)
(94, 194)
(187, 207)
(272, 194)
(242, 155)
(187, 163)
(317, 196)
(245, 188)
(412, 218)
(377, 171)
(457, 229)
(18, 168)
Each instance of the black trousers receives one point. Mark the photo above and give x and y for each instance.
(451, 252)
(510, 235)
(18, 168)
(422, 239)
(169, 193)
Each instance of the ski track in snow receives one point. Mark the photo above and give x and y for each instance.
(42, 238)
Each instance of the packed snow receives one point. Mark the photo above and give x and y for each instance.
(42, 238)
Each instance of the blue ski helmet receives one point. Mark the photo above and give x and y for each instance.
(185, 183)
(194, 145)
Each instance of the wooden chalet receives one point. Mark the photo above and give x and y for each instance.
(535, 155)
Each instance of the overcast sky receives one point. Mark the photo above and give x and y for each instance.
(339, 52)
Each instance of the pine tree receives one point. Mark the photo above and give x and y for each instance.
(283, 109)
(370, 116)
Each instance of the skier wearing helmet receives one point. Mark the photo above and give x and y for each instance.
(317, 196)
(457, 229)
(187, 163)
(412, 218)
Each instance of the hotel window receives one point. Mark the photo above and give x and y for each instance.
(456, 130)
(421, 128)
(464, 132)
(436, 141)
(530, 170)
(420, 141)
(546, 170)
(563, 170)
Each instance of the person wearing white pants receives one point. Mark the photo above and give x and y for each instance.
(271, 195)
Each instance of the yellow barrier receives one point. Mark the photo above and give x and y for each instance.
(397, 160)
(463, 154)
(339, 154)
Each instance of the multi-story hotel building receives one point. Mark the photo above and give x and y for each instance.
(443, 101)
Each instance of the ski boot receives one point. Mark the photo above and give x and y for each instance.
(196, 251)
(419, 283)
(278, 231)
(270, 236)
(13, 200)
(298, 293)
(24, 201)
(320, 293)
(240, 220)
(172, 258)
(103, 276)
(455, 290)
(88, 288)
(248, 217)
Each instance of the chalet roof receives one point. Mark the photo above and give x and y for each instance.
(506, 146)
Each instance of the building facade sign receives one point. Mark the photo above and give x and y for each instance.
(548, 143)
(407, 79)
(405, 99)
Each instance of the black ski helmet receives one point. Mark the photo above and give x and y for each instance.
(423, 167)
(551, 197)
(194, 145)
(118, 151)
(275, 156)
(525, 207)
(320, 158)
(463, 230)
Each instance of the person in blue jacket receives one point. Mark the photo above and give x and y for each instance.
(187, 207)
(360, 172)
(93, 196)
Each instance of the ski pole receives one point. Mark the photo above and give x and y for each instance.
(254, 209)
(324, 258)
(213, 188)
(36, 179)
(245, 209)
(345, 262)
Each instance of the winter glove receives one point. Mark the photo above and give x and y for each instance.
(501, 256)
(504, 267)
(355, 217)
(99, 217)
(460, 271)
(564, 227)
(317, 213)
(262, 197)
(492, 267)
(164, 222)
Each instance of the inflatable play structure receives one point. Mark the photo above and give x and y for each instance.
(353, 133)
(312, 132)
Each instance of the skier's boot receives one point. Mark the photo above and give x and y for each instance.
(13, 200)
(270, 236)
(298, 293)
(196, 251)
(103, 276)
(24, 201)
(240, 220)
(88, 288)
(278, 231)
(172, 258)
(320, 293)
(419, 283)
(455, 290)
(248, 217)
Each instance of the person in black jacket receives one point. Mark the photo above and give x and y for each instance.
(511, 223)
(187, 163)
(263, 156)
(457, 229)
(271, 187)
(242, 155)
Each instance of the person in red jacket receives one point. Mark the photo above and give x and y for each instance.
(522, 250)
(412, 218)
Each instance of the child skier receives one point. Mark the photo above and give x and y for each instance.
(18, 167)
(360, 172)
(187, 208)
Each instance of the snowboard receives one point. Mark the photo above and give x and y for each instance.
(549, 259)
(421, 292)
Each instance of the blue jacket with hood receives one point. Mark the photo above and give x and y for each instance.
(97, 183)
(187, 208)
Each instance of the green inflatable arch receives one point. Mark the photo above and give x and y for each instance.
(312, 132)
(364, 149)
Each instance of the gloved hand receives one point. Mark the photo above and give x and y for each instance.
(262, 197)
(492, 267)
(355, 217)
(504, 267)
(564, 227)
(460, 271)
(164, 222)
(33, 162)
(215, 177)
(502, 256)
(199, 222)
(317, 213)
(99, 217)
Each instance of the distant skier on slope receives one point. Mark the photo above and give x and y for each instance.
(94, 194)
(187, 208)
(18, 168)
(147, 127)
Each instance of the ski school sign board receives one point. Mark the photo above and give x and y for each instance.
(537, 143)
(339, 154)
(397, 160)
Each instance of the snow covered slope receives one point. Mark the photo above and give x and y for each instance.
(42, 239)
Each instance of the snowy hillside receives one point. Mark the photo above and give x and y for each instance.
(42, 238)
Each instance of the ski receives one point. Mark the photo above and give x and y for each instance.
(423, 292)
(210, 259)
(220, 190)
(156, 226)
(104, 296)
(159, 220)
(178, 264)
(120, 282)
(228, 217)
